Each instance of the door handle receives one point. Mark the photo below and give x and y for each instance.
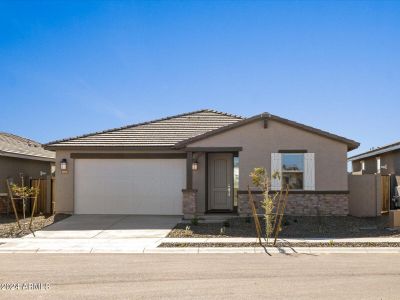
(229, 190)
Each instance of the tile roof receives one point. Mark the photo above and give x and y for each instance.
(164, 132)
(16, 146)
(178, 131)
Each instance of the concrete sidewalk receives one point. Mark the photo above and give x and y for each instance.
(114, 245)
(149, 245)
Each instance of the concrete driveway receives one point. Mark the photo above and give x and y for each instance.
(109, 227)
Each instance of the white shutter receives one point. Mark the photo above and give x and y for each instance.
(276, 166)
(309, 171)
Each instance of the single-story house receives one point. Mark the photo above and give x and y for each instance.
(21, 156)
(198, 163)
(383, 160)
(382, 164)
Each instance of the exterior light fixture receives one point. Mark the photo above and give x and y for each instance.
(64, 166)
(195, 165)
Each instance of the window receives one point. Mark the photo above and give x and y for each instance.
(378, 165)
(292, 170)
(362, 165)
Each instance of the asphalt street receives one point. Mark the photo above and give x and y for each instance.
(200, 276)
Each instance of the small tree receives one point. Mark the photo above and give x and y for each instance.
(260, 179)
(24, 193)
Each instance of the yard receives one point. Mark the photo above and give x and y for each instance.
(292, 227)
(9, 227)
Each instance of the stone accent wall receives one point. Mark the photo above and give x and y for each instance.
(189, 203)
(302, 204)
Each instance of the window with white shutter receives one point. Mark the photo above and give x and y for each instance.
(276, 166)
(309, 171)
(296, 170)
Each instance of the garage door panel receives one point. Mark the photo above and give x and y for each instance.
(129, 186)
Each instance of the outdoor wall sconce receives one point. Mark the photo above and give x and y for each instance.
(64, 166)
(195, 165)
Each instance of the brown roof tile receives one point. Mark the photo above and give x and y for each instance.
(164, 132)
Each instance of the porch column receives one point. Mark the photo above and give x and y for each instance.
(189, 194)
(189, 172)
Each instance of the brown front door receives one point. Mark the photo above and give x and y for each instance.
(220, 181)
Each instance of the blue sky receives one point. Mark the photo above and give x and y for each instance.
(69, 68)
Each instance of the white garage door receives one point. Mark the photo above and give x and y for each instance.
(129, 186)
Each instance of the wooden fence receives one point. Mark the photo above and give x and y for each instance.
(45, 201)
(385, 181)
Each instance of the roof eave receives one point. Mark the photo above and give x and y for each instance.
(97, 147)
(374, 153)
(26, 156)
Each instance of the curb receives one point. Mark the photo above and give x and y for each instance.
(223, 250)
(283, 250)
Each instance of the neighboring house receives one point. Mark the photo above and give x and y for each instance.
(383, 160)
(19, 156)
(378, 190)
(199, 162)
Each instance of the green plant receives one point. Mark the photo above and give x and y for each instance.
(260, 179)
(195, 221)
(331, 243)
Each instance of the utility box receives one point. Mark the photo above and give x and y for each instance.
(394, 218)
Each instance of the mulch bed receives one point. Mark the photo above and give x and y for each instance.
(9, 227)
(292, 227)
(278, 245)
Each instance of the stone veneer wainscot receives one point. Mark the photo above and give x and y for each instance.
(312, 204)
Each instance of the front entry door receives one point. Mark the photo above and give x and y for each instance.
(220, 181)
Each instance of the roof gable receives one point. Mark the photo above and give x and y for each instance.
(164, 132)
(267, 116)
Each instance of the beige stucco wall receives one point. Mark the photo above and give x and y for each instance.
(258, 143)
(64, 184)
(12, 167)
(365, 197)
(199, 182)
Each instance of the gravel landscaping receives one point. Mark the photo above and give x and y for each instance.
(292, 227)
(279, 244)
(9, 227)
